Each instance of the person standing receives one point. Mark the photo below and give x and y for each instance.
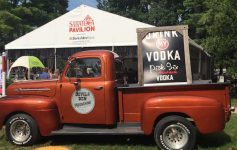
(44, 74)
(56, 74)
(51, 73)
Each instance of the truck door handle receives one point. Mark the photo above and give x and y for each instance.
(75, 83)
(98, 88)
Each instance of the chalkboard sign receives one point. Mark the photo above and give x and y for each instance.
(163, 56)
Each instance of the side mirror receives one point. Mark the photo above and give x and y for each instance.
(70, 59)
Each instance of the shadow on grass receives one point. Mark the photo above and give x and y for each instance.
(100, 140)
(204, 141)
(213, 140)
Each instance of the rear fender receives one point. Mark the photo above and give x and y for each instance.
(206, 113)
(42, 109)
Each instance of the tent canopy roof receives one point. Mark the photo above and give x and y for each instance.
(84, 26)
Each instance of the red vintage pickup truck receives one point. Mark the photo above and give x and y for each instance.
(87, 100)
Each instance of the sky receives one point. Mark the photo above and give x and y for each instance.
(75, 3)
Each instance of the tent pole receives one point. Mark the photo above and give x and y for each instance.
(55, 58)
(28, 73)
(3, 74)
(112, 48)
(199, 63)
(8, 65)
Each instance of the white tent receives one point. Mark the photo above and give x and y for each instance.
(82, 27)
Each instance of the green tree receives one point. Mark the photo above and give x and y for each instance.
(17, 17)
(221, 24)
(191, 15)
(158, 13)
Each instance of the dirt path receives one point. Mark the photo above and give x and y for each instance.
(52, 148)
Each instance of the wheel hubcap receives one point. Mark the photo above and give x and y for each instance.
(20, 130)
(175, 136)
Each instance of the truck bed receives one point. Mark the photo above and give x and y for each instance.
(172, 98)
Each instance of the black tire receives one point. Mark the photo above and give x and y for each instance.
(175, 132)
(22, 130)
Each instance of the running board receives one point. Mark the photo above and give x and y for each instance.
(124, 129)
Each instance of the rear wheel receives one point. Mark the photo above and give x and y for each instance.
(21, 129)
(175, 132)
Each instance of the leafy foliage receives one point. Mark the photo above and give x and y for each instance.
(158, 13)
(17, 17)
(192, 15)
(221, 26)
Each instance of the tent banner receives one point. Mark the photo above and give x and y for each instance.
(81, 31)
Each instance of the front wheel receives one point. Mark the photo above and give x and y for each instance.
(21, 129)
(174, 133)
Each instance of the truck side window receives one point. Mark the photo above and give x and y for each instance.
(84, 68)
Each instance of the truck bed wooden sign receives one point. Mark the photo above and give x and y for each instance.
(163, 54)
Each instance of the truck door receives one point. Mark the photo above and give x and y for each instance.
(82, 92)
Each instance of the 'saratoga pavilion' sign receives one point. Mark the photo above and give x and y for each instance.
(163, 54)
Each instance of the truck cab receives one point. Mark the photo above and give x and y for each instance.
(88, 90)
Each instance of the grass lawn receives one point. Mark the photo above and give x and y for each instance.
(226, 140)
(234, 102)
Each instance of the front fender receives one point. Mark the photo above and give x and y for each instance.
(42, 109)
(207, 114)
